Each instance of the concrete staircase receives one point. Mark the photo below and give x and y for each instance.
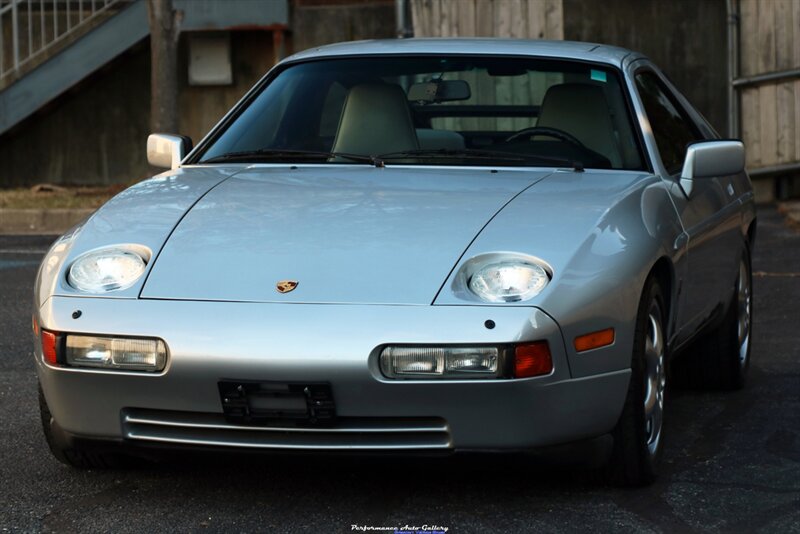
(48, 46)
(43, 65)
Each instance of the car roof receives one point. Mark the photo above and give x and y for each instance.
(474, 46)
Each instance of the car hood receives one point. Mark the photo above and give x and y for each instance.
(348, 234)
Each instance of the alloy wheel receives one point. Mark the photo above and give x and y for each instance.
(656, 377)
(744, 302)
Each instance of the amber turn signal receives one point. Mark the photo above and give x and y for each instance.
(532, 359)
(595, 340)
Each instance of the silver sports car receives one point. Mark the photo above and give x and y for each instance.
(406, 246)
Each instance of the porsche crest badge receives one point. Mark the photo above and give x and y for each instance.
(285, 286)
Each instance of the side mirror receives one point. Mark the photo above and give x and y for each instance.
(708, 159)
(167, 151)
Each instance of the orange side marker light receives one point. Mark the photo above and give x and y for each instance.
(594, 340)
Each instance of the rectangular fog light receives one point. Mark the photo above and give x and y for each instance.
(441, 362)
(131, 354)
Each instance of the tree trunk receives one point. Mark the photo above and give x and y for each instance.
(164, 32)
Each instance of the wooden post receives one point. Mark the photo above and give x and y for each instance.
(164, 32)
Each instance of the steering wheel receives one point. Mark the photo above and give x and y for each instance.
(546, 131)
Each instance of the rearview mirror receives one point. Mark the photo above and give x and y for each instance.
(708, 159)
(439, 91)
(167, 151)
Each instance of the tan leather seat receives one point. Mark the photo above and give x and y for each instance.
(375, 120)
(582, 110)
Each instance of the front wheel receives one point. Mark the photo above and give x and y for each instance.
(638, 436)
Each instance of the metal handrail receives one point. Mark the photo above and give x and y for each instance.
(20, 17)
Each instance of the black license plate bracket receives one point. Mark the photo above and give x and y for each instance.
(252, 402)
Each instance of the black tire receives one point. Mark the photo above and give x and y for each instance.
(70, 454)
(638, 435)
(720, 359)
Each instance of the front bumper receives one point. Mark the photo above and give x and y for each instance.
(337, 344)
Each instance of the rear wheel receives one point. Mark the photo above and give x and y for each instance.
(68, 453)
(638, 436)
(721, 358)
(744, 324)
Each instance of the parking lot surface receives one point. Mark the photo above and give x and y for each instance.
(732, 460)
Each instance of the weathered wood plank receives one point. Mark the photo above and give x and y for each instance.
(785, 152)
(797, 120)
(419, 17)
(470, 123)
(466, 18)
(449, 22)
(502, 85)
(486, 95)
(519, 84)
(784, 51)
(554, 19)
(436, 17)
(751, 126)
(443, 19)
(796, 36)
(483, 86)
(502, 18)
(538, 87)
(536, 19)
(484, 18)
(767, 103)
(765, 59)
(519, 19)
(748, 51)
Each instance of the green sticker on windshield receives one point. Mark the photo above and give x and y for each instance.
(598, 76)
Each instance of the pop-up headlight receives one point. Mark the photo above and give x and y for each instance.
(508, 281)
(108, 269)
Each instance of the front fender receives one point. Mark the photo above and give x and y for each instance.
(143, 214)
(602, 233)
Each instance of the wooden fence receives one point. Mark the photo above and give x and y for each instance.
(524, 19)
(769, 42)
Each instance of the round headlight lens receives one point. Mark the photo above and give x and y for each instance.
(106, 270)
(508, 281)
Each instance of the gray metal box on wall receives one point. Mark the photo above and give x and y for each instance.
(210, 59)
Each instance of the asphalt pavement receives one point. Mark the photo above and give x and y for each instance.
(732, 460)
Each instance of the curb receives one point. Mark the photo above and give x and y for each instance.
(40, 221)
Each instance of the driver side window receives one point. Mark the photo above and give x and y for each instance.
(672, 129)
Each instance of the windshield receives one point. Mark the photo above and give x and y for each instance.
(435, 110)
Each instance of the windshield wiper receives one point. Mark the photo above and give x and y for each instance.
(270, 154)
(474, 153)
